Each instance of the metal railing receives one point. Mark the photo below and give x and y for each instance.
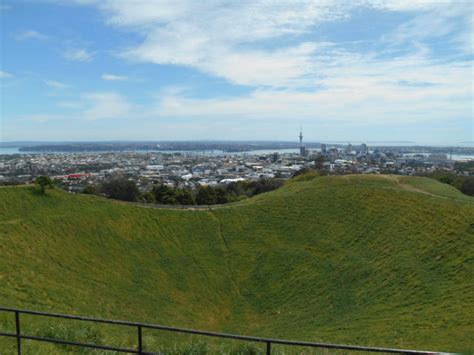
(19, 336)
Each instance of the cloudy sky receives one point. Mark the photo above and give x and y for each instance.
(359, 70)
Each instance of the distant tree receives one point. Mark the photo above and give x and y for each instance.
(319, 162)
(148, 197)
(120, 189)
(442, 176)
(164, 195)
(265, 185)
(468, 186)
(459, 181)
(89, 190)
(309, 174)
(44, 181)
(462, 166)
(237, 188)
(302, 171)
(245, 189)
(159, 191)
(206, 196)
(184, 197)
(221, 196)
(446, 179)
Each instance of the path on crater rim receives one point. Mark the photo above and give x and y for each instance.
(396, 179)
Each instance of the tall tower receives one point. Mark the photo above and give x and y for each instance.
(301, 135)
(302, 150)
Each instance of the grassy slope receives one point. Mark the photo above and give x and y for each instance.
(370, 260)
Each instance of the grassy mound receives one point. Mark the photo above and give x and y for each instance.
(369, 260)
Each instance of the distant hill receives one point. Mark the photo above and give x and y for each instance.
(370, 260)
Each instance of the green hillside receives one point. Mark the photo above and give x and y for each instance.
(370, 260)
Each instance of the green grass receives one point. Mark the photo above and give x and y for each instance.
(368, 260)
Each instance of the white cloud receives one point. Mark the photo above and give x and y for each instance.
(30, 34)
(282, 67)
(408, 5)
(365, 91)
(70, 104)
(4, 74)
(223, 38)
(228, 39)
(333, 106)
(89, 106)
(105, 105)
(444, 22)
(56, 84)
(79, 55)
(113, 77)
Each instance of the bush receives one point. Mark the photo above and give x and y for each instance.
(148, 197)
(265, 185)
(44, 181)
(89, 190)
(305, 175)
(184, 197)
(166, 195)
(468, 186)
(120, 189)
(302, 171)
(235, 191)
(206, 195)
(442, 176)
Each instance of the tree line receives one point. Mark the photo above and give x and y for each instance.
(127, 190)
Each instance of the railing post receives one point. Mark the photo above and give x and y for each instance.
(269, 348)
(18, 332)
(140, 342)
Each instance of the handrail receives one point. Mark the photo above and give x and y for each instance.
(140, 326)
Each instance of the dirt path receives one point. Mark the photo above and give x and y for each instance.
(174, 207)
(227, 252)
(396, 179)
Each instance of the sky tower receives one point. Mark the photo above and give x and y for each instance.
(302, 150)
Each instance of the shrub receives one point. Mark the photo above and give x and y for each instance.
(120, 189)
(89, 190)
(306, 175)
(184, 197)
(44, 181)
(468, 186)
(206, 196)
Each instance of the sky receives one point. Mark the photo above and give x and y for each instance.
(359, 70)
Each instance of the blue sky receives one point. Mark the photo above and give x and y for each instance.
(359, 70)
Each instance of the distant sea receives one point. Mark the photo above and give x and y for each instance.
(4, 150)
(16, 150)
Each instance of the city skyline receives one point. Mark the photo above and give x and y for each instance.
(89, 70)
